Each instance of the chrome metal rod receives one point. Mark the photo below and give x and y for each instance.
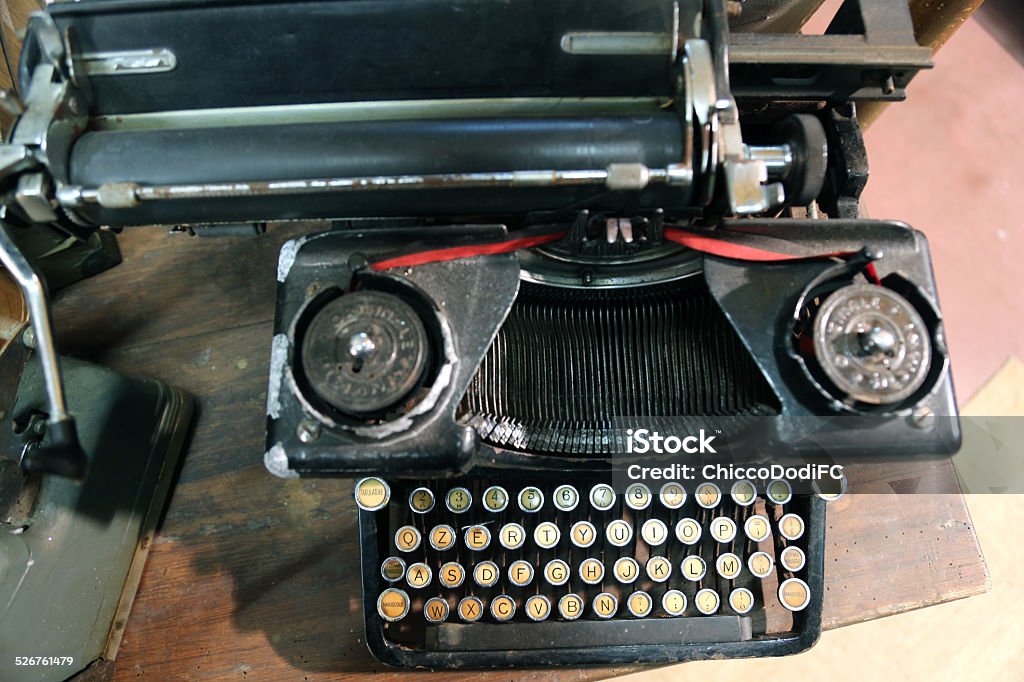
(777, 159)
(34, 289)
(616, 176)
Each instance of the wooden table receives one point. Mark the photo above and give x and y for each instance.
(252, 577)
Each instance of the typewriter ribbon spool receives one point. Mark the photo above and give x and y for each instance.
(364, 352)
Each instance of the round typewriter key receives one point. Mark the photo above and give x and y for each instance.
(503, 607)
(565, 497)
(570, 606)
(556, 572)
(393, 604)
(418, 575)
(458, 500)
(442, 537)
(708, 495)
(605, 605)
(486, 574)
(583, 534)
(728, 565)
(658, 569)
(672, 495)
(706, 601)
(756, 527)
(520, 573)
(451, 574)
(673, 602)
(723, 529)
(372, 494)
(435, 610)
(626, 570)
(546, 535)
(830, 489)
(495, 499)
(531, 499)
(654, 532)
(761, 564)
(512, 536)
(794, 594)
(421, 500)
(743, 493)
(602, 497)
(640, 604)
(407, 538)
(791, 527)
(688, 531)
(619, 533)
(477, 537)
(638, 496)
(393, 569)
(591, 571)
(741, 600)
(693, 567)
(793, 558)
(538, 607)
(779, 491)
(470, 609)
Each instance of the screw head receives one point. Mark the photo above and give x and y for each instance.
(922, 418)
(361, 345)
(308, 431)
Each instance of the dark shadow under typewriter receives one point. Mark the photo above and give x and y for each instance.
(550, 223)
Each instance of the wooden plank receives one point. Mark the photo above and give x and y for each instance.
(13, 17)
(171, 286)
(252, 574)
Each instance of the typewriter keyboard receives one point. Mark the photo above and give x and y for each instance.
(459, 562)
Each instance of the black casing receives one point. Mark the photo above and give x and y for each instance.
(471, 298)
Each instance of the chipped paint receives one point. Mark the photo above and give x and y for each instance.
(286, 259)
(278, 362)
(276, 462)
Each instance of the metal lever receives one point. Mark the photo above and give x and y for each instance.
(63, 455)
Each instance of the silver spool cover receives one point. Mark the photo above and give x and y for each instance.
(872, 344)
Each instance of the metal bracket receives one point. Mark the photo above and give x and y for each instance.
(743, 167)
(53, 113)
(128, 63)
(63, 455)
(868, 53)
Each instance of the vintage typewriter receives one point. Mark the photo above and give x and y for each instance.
(548, 220)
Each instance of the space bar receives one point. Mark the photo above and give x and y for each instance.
(586, 633)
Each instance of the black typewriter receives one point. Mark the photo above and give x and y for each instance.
(544, 224)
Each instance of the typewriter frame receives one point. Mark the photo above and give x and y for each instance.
(435, 443)
(806, 630)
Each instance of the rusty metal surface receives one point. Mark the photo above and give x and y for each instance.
(934, 22)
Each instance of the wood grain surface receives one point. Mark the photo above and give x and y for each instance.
(256, 578)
